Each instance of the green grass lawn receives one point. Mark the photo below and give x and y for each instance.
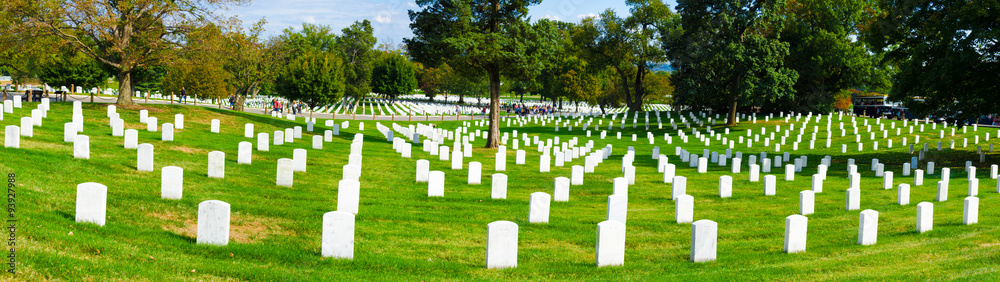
(402, 234)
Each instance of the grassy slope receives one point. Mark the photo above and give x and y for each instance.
(402, 234)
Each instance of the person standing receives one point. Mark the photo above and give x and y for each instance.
(183, 95)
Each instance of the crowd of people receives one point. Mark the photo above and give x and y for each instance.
(523, 110)
(294, 108)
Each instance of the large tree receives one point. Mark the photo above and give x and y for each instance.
(947, 53)
(824, 51)
(197, 67)
(315, 70)
(729, 53)
(631, 45)
(251, 60)
(493, 36)
(314, 78)
(393, 75)
(357, 45)
(124, 35)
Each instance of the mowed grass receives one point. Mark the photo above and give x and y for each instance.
(404, 235)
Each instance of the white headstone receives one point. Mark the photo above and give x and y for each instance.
(769, 184)
(868, 227)
(338, 235)
(263, 142)
(576, 175)
(144, 158)
(925, 217)
(131, 138)
(171, 182)
(81, 147)
(285, 173)
(617, 208)
(348, 196)
(610, 243)
(725, 186)
(970, 214)
(423, 168)
(215, 126)
(903, 194)
(91, 203)
(684, 209)
(499, 190)
(795, 233)
(69, 132)
(561, 192)
(299, 158)
(216, 164)
(678, 187)
(435, 184)
(853, 199)
(942, 191)
(213, 223)
(807, 199)
(538, 207)
(704, 238)
(501, 244)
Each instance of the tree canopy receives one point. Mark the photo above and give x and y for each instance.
(490, 35)
(947, 53)
(393, 75)
(729, 53)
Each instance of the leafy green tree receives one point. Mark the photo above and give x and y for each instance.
(357, 45)
(124, 35)
(947, 53)
(251, 60)
(729, 54)
(823, 51)
(198, 67)
(71, 69)
(434, 80)
(659, 88)
(315, 78)
(630, 46)
(493, 36)
(393, 75)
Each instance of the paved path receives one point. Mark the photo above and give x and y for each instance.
(105, 99)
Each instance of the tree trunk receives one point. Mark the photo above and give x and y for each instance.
(125, 88)
(732, 111)
(461, 98)
(635, 104)
(240, 100)
(522, 97)
(493, 139)
(355, 108)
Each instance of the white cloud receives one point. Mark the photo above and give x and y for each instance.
(383, 18)
(587, 15)
(551, 17)
(309, 19)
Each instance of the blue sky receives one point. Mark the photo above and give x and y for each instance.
(389, 17)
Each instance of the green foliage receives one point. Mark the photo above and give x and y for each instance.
(493, 36)
(946, 52)
(630, 46)
(658, 88)
(357, 45)
(71, 68)
(314, 78)
(434, 80)
(729, 54)
(253, 62)
(198, 68)
(824, 53)
(393, 75)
